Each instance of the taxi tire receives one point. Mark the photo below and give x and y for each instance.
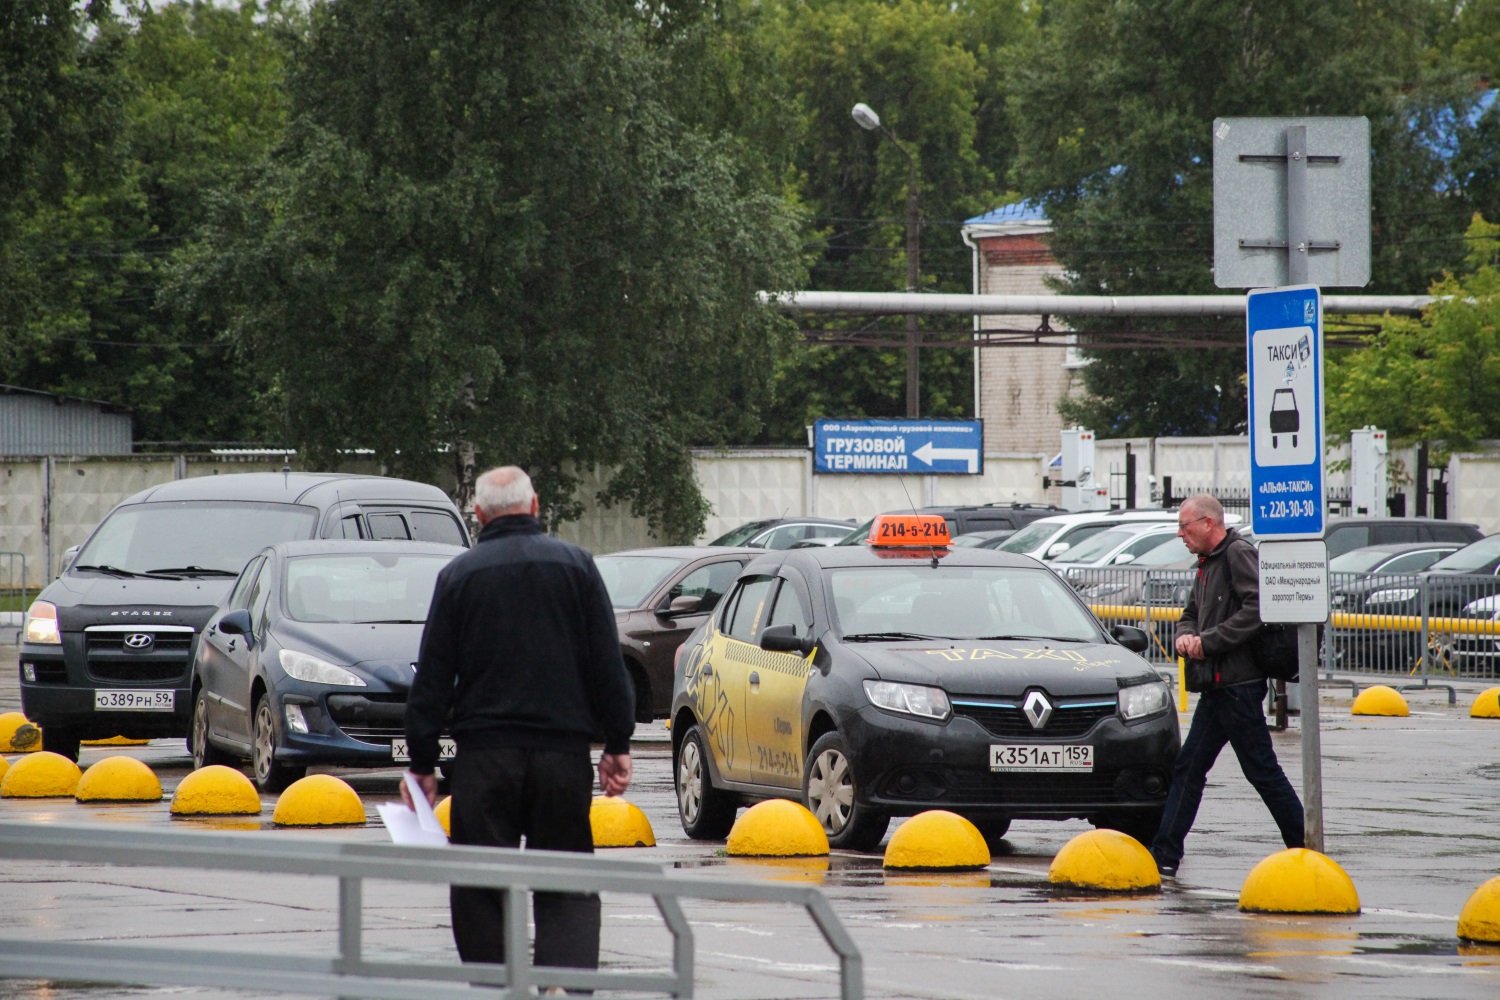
(715, 808)
(269, 775)
(862, 828)
(204, 753)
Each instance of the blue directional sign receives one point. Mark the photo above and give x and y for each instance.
(1288, 478)
(923, 447)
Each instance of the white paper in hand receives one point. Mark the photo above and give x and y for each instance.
(407, 827)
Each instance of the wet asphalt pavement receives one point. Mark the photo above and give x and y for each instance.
(1412, 812)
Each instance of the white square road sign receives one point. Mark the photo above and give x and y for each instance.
(1294, 582)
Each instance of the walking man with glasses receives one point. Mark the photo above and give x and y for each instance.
(1221, 618)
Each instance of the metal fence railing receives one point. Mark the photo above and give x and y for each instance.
(1424, 626)
(13, 593)
(348, 973)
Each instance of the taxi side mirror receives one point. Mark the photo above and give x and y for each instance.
(1132, 638)
(784, 639)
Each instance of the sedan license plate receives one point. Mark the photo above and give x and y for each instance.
(132, 701)
(447, 750)
(1070, 757)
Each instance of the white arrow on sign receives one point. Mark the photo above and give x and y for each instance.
(928, 454)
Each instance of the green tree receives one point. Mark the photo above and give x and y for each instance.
(1433, 378)
(487, 232)
(1113, 106)
(930, 69)
(197, 90)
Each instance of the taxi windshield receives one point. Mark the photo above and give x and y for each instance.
(958, 602)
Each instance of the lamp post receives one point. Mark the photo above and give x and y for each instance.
(866, 118)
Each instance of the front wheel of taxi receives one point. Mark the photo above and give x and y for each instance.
(706, 812)
(829, 790)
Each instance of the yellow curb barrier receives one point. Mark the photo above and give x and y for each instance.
(115, 741)
(1339, 620)
(442, 810)
(4, 766)
(215, 790)
(1479, 920)
(937, 840)
(617, 823)
(777, 828)
(1379, 699)
(319, 800)
(1298, 881)
(19, 734)
(40, 775)
(1105, 859)
(118, 779)
(1487, 705)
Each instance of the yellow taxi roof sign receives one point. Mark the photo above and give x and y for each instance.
(891, 531)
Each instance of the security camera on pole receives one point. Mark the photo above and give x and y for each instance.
(1291, 215)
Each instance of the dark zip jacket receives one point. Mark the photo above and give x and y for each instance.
(521, 648)
(1224, 611)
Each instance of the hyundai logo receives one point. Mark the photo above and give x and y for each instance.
(1038, 709)
(140, 642)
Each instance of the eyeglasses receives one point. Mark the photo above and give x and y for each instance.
(1184, 525)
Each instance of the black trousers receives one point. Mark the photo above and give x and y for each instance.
(499, 797)
(1233, 715)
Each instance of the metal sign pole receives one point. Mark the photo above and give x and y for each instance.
(1296, 205)
(1312, 740)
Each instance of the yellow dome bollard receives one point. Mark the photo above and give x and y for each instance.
(1380, 700)
(40, 775)
(617, 823)
(118, 779)
(1105, 859)
(19, 734)
(1297, 880)
(1479, 920)
(1486, 705)
(319, 800)
(777, 828)
(4, 766)
(441, 811)
(215, 790)
(115, 741)
(937, 840)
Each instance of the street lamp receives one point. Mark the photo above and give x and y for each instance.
(866, 118)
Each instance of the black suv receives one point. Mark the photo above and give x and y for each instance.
(1345, 534)
(993, 516)
(107, 646)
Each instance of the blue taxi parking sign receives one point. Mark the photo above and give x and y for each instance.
(1288, 476)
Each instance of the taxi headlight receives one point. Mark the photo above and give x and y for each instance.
(305, 667)
(1141, 700)
(41, 623)
(909, 699)
(1393, 595)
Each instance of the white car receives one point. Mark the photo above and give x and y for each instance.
(1049, 537)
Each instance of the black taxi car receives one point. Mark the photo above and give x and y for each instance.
(885, 680)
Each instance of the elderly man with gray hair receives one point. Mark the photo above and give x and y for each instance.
(521, 662)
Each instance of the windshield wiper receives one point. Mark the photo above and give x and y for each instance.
(114, 571)
(886, 636)
(191, 571)
(389, 621)
(1035, 638)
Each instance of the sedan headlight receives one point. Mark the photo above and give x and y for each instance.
(305, 667)
(909, 699)
(1141, 700)
(41, 623)
(1393, 595)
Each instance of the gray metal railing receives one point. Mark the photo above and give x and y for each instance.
(349, 973)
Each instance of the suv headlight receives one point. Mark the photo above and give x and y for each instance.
(1394, 595)
(1141, 700)
(41, 623)
(908, 699)
(305, 667)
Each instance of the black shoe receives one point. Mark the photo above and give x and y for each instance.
(1166, 871)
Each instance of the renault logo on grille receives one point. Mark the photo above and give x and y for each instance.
(1038, 709)
(140, 642)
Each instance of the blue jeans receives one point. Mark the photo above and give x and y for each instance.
(1232, 715)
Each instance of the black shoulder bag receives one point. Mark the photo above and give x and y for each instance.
(1274, 650)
